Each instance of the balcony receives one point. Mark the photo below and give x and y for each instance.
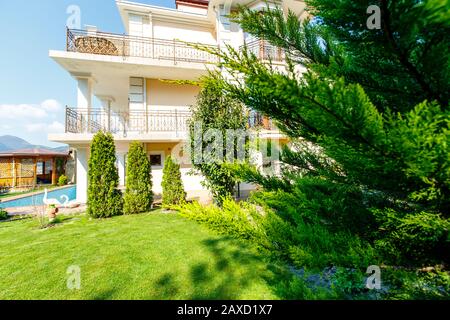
(141, 122)
(83, 121)
(265, 51)
(109, 44)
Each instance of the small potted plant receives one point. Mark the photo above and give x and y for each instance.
(52, 210)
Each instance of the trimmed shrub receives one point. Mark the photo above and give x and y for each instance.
(172, 185)
(138, 194)
(104, 199)
(63, 180)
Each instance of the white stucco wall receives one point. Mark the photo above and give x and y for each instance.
(153, 27)
(183, 31)
(167, 96)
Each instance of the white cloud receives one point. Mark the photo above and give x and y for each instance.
(56, 127)
(32, 122)
(35, 127)
(51, 105)
(18, 111)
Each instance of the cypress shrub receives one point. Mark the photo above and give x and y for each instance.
(104, 199)
(138, 195)
(173, 190)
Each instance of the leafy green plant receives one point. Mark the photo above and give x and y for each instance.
(348, 282)
(3, 214)
(407, 284)
(138, 196)
(302, 244)
(340, 207)
(172, 185)
(63, 180)
(215, 110)
(371, 130)
(104, 198)
(413, 237)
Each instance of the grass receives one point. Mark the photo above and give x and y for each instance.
(149, 256)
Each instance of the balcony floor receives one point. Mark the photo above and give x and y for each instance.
(86, 138)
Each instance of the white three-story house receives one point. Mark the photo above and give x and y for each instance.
(128, 74)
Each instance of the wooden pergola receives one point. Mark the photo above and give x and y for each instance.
(28, 167)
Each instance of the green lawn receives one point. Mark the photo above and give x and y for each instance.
(149, 256)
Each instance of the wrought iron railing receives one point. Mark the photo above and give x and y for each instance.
(102, 43)
(258, 121)
(141, 122)
(265, 51)
(94, 120)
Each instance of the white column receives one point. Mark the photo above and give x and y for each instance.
(84, 99)
(121, 167)
(82, 174)
(84, 92)
(106, 111)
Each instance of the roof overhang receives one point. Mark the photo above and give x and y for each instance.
(194, 3)
(83, 139)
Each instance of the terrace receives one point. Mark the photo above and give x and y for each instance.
(265, 51)
(110, 44)
(81, 121)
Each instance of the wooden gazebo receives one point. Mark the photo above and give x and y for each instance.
(29, 167)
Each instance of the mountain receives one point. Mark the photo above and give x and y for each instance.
(11, 143)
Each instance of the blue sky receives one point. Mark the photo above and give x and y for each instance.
(33, 88)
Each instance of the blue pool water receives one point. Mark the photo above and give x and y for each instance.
(70, 192)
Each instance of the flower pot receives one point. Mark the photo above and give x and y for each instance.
(51, 213)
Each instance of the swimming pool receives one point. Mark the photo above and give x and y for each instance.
(37, 199)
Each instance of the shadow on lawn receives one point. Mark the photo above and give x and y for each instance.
(233, 268)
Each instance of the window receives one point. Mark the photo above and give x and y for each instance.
(136, 91)
(40, 168)
(157, 159)
(48, 167)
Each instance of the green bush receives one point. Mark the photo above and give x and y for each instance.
(302, 244)
(415, 285)
(413, 238)
(233, 219)
(104, 198)
(138, 194)
(218, 111)
(172, 185)
(63, 180)
(3, 214)
(340, 207)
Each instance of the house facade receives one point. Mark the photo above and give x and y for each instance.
(133, 76)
